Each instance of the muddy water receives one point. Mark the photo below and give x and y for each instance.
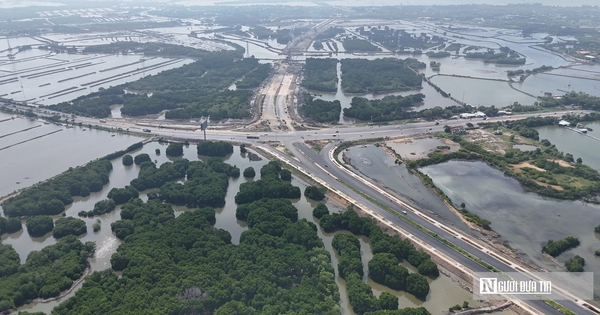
(432, 97)
(443, 292)
(481, 92)
(442, 295)
(526, 220)
(106, 242)
(581, 146)
(27, 160)
(376, 164)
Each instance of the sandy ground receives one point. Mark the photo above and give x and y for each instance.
(517, 167)
(419, 147)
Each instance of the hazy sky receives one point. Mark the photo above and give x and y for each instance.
(25, 3)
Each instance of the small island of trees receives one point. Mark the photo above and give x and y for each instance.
(320, 110)
(214, 148)
(39, 225)
(380, 75)
(69, 226)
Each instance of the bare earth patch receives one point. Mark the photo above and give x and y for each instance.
(561, 163)
(548, 185)
(413, 148)
(517, 167)
(488, 140)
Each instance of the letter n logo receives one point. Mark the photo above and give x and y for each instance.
(488, 286)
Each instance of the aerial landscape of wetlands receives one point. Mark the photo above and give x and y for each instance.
(356, 157)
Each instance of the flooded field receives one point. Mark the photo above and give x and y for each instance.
(526, 220)
(558, 84)
(481, 92)
(414, 149)
(376, 164)
(32, 151)
(432, 97)
(568, 141)
(40, 77)
(443, 291)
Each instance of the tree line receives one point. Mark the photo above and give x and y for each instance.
(380, 75)
(320, 74)
(320, 110)
(190, 91)
(555, 248)
(391, 107)
(383, 243)
(274, 183)
(44, 274)
(280, 265)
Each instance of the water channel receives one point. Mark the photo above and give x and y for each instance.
(526, 220)
(443, 294)
(33, 151)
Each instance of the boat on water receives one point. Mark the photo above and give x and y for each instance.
(582, 130)
(589, 129)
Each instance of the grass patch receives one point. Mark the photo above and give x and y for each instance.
(559, 307)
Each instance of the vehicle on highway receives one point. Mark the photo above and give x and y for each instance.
(147, 130)
(404, 212)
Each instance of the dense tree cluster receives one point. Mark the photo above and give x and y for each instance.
(152, 177)
(174, 149)
(286, 175)
(381, 242)
(206, 184)
(270, 185)
(193, 90)
(187, 266)
(254, 78)
(575, 264)
(556, 248)
(127, 160)
(141, 158)
(437, 54)
(348, 247)
(217, 105)
(359, 45)
(39, 225)
(314, 193)
(360, 295)
(100, 207)
(44, 274)
(391, 107)
(505, 56)
(384, 269)
(320, 210)
(120, 153)
(214, 148)
(150, 49)
(583, 100)
(122, 195)
(320, 74)
(380, 75)
(69, 226)
(52, 196)
(249, 172)
(10, 225)
(320, 110)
